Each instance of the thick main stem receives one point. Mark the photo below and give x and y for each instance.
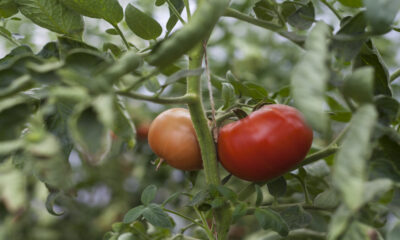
(200, 122)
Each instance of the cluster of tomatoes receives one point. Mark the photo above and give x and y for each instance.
(261, 146)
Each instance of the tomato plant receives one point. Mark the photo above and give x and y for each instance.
(173, 138)
(266, 144)
(79, 80)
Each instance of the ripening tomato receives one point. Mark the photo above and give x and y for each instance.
(265, 144)
(173, 138)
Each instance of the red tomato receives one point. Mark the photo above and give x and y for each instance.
(173, 138)
(266, 144)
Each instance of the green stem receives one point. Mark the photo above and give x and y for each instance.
(330, 6)
(184, 217)
(10, 39)
(205, 223)
(175, 11)
(187, 6)
(395, 75)
(186, 99)
(230, 12)
(200, 121)
(303, 205)
(304, 186)
(307, 234)
(264, 24)
(123, 37)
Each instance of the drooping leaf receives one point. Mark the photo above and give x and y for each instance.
(53, 15)
(370, 56)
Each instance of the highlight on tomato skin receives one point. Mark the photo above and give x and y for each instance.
(266, 144)
(173, 138)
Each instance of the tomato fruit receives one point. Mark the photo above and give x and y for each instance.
(173, 138)
(142, 130)
(265, 144)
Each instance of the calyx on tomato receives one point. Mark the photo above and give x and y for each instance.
(172, 137)
(266, 144)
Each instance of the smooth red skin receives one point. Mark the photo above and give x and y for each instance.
(173, 138)
(266, 144)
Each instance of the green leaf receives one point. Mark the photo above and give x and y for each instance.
(339, 222)
(88, 132)
(199, 198)
(381, 14)
(142, 24)
(19, 84)
(133, 214)
(349, 171)
(296, 217)
(228, 95)
(239, 211)
(394, 233)
(156, 216)
(370, 56)
(112, 31)
(124, 126)
(347, 42)
(277, 187)
(148, 194)
(388, 109)
(116, 50)
(309, 79)
(14, 112)
(360, 85)
(109, 10)
(267, 10)
(50, 202)
(8, 8)
(352, 3)
(271, 220)
(152, 84)
(50, 50)
(173, 19)
(227, 193)
(376, 189)
(303, 17)
(327, 199)
(51, 14)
